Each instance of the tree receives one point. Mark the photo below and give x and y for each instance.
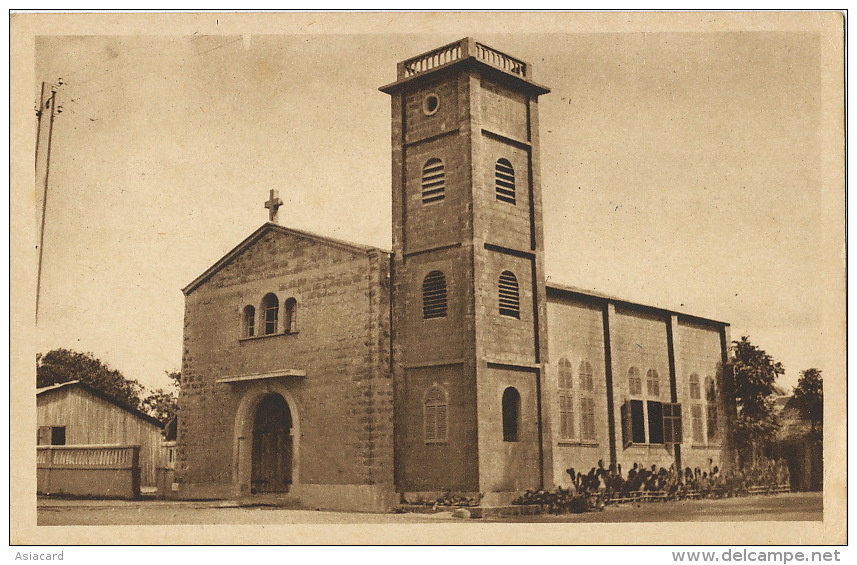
(752, 376)
(809, 399)
(163, 404)
(64, 365)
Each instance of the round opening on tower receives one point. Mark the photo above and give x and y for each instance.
(431, 104)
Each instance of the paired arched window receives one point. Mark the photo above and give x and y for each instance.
(510, 296)
(565, 374)
(435, 415)
(653, 383)
(249, 321)
(271, 312)
(434, 295)
(504, 181)
(433, 181)
(511, 414)
(635, 383)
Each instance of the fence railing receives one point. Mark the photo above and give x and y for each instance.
(96, 456)
(461, 50)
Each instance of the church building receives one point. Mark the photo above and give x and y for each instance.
(346, 376)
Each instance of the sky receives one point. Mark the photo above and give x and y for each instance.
(680, 170)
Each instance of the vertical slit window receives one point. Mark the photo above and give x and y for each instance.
(249, 321)
(434, 181)
(504, 181)
(434, 295)
(511, 414)
(510, 297)
(565, 374)
(435, 416)
(695, 393)
(711, 401)
(271, 308)
(291, 325)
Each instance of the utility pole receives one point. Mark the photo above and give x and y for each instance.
(48, 109)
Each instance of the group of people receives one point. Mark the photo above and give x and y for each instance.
(610, 484)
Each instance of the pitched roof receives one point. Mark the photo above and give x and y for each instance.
(562, 288)
(267, 227)
(103, 396)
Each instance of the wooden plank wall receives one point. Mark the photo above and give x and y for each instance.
(89, 420)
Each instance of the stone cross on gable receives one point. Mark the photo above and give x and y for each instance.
(273, 204)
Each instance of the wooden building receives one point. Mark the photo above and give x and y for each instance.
(74, 413)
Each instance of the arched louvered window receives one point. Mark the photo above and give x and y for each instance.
(249, 321)
(565, 374)
(271, 309)
(653, 383)
(693, 383)
(291, 325)
(511, 414)
(434, 181)
(434, 295)
(585, 372)
(510, 296)
(504, 181)
(435, 415)
(635, 383)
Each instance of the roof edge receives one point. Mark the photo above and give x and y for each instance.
(104, 396)
(262, 230)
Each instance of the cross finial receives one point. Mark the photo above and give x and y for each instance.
(273, 205)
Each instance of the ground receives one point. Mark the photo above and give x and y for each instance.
(58, 512)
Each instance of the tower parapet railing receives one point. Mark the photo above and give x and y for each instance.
(457, 51)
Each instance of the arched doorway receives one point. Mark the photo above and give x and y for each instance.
(272, 446)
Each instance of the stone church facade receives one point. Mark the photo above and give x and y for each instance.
(345, 376)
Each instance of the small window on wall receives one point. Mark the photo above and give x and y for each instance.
(633, 422)
(696, 421)
(510, 298)
(511, 414)
(587, 418)
(271, 309)
(635, 383)
(656, 421)
(434, 181)
(504, 180)
(711, 410)
(672, 423)
(565, 375)
(653, 383)
(435, 415)
(585, 372)
(566, 416)
(291, 324)
(51, 435)
(693, 383)
(249, 321)
(434, 295)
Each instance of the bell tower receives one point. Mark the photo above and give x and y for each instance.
(469, 303)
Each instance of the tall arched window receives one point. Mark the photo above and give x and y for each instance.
(635, 383)
(511, 414)
(653, 383)
(565, 374)
(693, 383)
(291, 325)
(249, 321)
(435, 416)
(271, 309)
(585, 372)
(504, 181)
(434, 181)
(510, 298)
(434, 295)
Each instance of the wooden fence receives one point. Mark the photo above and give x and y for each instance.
(109, 471)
